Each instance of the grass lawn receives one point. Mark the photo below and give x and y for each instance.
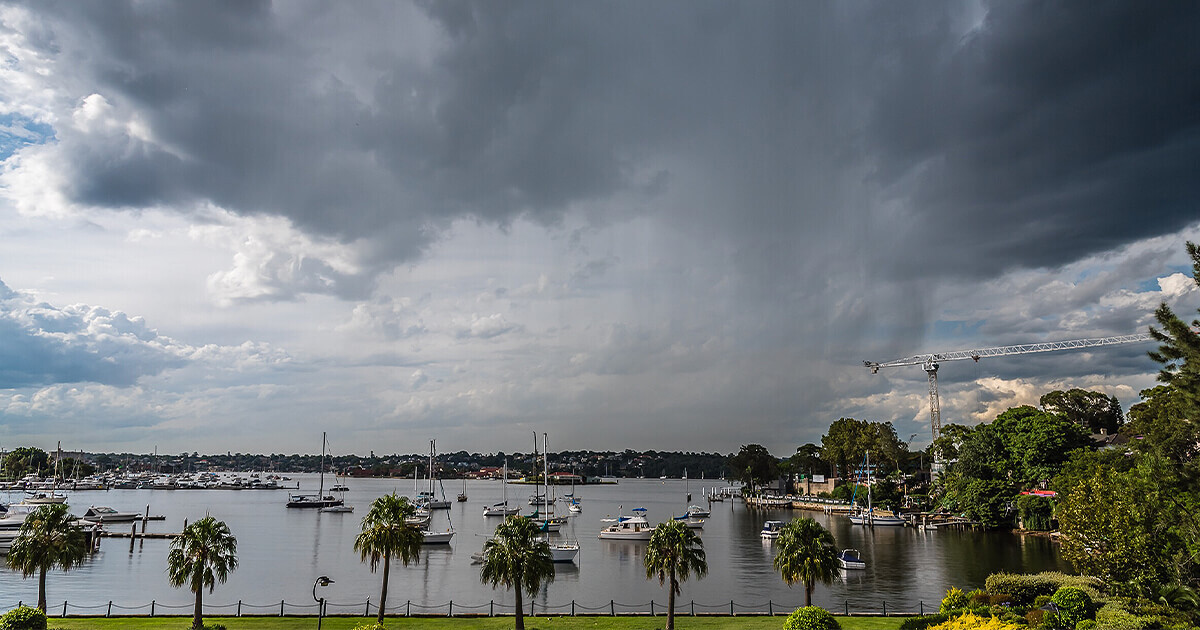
(493, 623)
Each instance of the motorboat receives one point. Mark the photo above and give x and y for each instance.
(574, 507)
(696, 511)
(420, 519)
(693, 523)
(339, 509)
(850, 559)
(634, 527)
(771, 530)
(104, 514)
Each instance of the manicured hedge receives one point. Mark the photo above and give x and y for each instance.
(924, 621)
(1024, 589)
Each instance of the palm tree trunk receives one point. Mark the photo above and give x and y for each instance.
(387, 565)
(42, 589)
(808, 589)
(520, 613)
(671, 601)
(198, 614)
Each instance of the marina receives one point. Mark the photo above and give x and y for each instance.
(281, 551)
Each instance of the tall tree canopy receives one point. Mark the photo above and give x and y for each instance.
(1092, 410)
(1179, 348)
(754, 465)
(848, 441)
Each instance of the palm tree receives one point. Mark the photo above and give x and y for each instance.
(805, 553)
(48, 539)
(385, 535)
(674, 553)
(518, 558)
(200, 557)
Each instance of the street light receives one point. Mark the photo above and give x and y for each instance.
(321, 581)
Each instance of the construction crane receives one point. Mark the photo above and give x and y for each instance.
(930, 362)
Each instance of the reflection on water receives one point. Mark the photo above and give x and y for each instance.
(282, 552)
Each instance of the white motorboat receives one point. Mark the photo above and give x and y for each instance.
(575, 508)
(338, 509)
(104, 514)
(42, 498)
(771, 530)
(849, 559)
(634, 527)
(693, 523)
(696, 511)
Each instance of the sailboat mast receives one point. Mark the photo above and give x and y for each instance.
(546, 470)
(321, 491)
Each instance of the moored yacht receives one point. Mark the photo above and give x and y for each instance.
(771, 530)
(850, 559)
(634, 527)
(105, 514)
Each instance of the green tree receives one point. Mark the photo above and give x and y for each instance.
(25, 460)
(1179, 349)
(48, 539)
(1091, 410)
(1159, 424)
(517, 558)
(754, 465)
(203, 555)
(1037, 443)
(385, 535)
(804, 552)
(842, 444)
(1117, 525)
(674, 553)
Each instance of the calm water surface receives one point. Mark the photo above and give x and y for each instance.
(282, 551)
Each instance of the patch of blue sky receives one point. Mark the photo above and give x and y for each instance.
(18, 131)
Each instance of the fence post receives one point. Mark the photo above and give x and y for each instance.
(885, 608)
(152, 608)
(770, 608)
(652, 608)
(731, 608)
(281, 608)
(572, 608)
(492, 608)
(64, 608)
(109, 613)
(450, 611)
(367, 612)
(693, 608)
(922, 604)
(612, 608)
(530, 606)
(408, 608)
(847, 608)
(239, 612)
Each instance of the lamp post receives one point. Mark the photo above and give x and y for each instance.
(321, 581)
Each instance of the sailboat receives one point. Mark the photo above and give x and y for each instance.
(431, 537)
(502, 509)
(427, 499)
(462, 496)
(869, 517)
(573, 505)
(320, 499)
(41, 498)
(548, 522)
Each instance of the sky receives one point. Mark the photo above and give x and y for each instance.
(678, 225)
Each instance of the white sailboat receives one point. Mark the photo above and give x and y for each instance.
(432, 537)
(547, 522)
(869, 516)
(502, 508)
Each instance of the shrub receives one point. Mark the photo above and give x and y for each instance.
(23, 618)
(955, 599)
(1074, 605)
(1041, 600)
(978, 597)
(1034, 617)
(971, 621)
(370, 626)
(810, 618)
(924, 621)
(1024, 589)
(1113, 616)
(1000, 599)
(1053, 621)
(1086, 624)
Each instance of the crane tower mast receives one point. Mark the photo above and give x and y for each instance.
(931, 362)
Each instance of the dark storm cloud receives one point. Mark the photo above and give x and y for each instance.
(808, 143)
(1054, 131)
